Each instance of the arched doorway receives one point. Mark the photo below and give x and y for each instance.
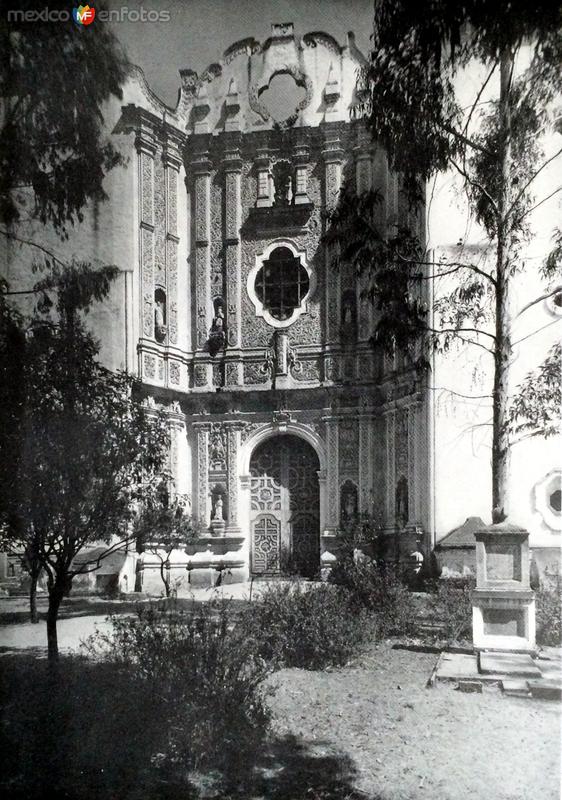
(284, 507)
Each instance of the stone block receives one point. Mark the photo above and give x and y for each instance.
(546, 690)
(510, 664)
(515, 687)
(470, 687)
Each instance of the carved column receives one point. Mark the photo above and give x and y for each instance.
(332, 154)
(390, 420)
(264, 181)
(333, 510)
(365, 464)
(146, 148)
(363, 161)
(301, 157)
(201, 172)
(202, 470)
(172, 162)
(233, 214)
(413, 504)
(177, 429)
(233, 489)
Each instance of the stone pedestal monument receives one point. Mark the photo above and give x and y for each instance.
(503, 606)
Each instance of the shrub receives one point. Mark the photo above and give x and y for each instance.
(310, 626)
(378, 588)
(549, 613)
(206, 677)
(451, 607)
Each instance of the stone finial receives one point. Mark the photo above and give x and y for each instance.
(280, 29)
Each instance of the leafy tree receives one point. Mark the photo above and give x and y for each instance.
(412, 106)
(162, 526)
(54, 80)
(82, 448)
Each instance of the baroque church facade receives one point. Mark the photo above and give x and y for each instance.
(285, 421)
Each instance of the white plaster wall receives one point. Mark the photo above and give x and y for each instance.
(462, 433)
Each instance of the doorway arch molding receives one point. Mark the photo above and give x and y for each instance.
(269, 431)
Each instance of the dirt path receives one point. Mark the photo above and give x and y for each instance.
(394, 739)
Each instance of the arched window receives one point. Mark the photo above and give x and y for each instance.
(282, 283)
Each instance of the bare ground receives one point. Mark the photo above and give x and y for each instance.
(395, 739)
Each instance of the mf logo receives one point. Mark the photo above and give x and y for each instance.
(83, 15)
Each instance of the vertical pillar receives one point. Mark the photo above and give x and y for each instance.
(233, 212)
(380, 183)
(201, 171)
(300, 159)
(390, 420)
(413, 499)
(333, 510)
(264, 182)
(172, 163)
(332, 154)
(202, 470)
(365, 464)
(146, 148)
(233, 489)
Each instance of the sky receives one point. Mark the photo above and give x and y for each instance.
(200, 30)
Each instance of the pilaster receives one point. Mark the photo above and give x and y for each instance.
(332, 477)
(233, 209)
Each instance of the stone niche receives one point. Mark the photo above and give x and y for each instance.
(503, 607)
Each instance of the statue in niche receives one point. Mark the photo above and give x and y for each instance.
(349, 502)
(217, 336)
(349, 315)
(159, 316)
(217, 510)
(283, 184)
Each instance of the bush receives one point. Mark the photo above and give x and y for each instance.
(310, 626)
(378, 588)
(549, 613)
(206, 677)
(451, 607)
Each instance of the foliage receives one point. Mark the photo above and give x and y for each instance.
(535, 405)
(81, 445)
(549, 613)
(376, 587)
(205, 676)
(163, 525)
(413, 106)
(310, 626)
(418, 49)
(451, 607)
(51, 139)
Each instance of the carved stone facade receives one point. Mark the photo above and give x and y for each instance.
(252, 322)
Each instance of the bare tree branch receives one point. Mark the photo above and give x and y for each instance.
(534, 302)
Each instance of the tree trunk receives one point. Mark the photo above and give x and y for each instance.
(503, 346)
(34, 578)
(56, 594)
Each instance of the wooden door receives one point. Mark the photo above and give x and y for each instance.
(284, 507)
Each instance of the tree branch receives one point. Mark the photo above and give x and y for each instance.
(533, 208)
(477, 185)
(534, 302)
(529, 182)
(31, 243)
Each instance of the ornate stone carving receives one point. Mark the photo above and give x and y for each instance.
(150, 367)
(333, 472)
(200, 374)
(159, 222)
(231, 375)
(202, 473)
(174, 372)
(218, 374)
(255, 373)
(250, 428)
(172, 262)
(147, 189)
(217, 448)
(348, 446)
(147, 258)
(401, 445)
(233, 435)
(305, 370)
(160, 364)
